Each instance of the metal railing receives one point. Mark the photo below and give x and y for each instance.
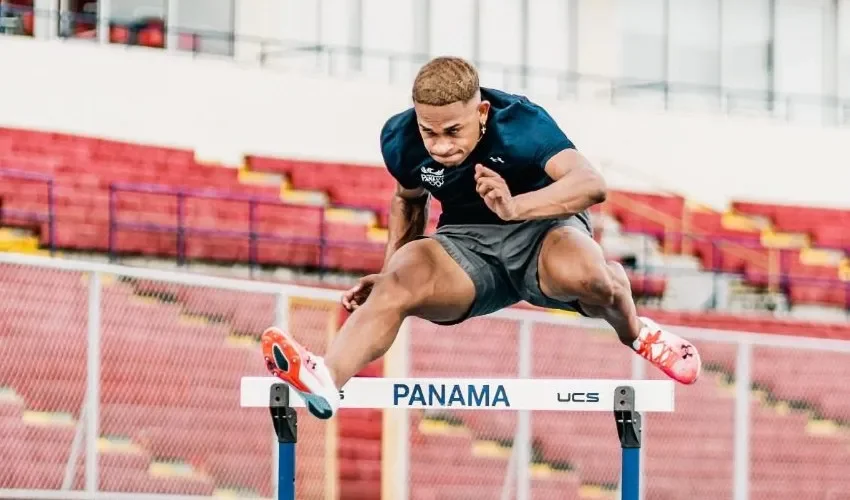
(184, 230)
(30, 215)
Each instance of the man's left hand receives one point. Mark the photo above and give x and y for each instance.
(494, 190)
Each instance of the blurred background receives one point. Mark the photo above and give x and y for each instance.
(166, 166)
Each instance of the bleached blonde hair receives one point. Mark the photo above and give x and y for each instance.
(445, 80)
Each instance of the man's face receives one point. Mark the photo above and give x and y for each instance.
(451, 132)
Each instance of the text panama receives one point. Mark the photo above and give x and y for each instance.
(461, 395)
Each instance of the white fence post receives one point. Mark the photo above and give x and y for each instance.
(523, 442)
(403, 362)
(93, 381)
(395, 424)
(743, 382)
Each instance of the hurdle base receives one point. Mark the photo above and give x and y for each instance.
(626, 418)
(285, 421)
(628, 422)
(284, 417)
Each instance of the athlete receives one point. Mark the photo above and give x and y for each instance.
(515, 193)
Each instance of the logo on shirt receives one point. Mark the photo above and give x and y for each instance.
(433, 176)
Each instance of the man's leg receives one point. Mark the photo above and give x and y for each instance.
(572, 265)
(421, 280)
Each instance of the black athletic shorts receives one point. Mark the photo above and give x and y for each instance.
(502, 261)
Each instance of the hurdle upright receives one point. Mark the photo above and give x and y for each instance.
(625, 399)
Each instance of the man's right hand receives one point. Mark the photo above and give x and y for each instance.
(357, 295)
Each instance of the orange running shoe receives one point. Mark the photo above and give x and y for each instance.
(302, 370)
(673, 355)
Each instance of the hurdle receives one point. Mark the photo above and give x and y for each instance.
(627, 399)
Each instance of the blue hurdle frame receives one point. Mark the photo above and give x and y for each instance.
(629, 430)
(627, 419)
(285, 421)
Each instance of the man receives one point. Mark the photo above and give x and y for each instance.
(515, 226)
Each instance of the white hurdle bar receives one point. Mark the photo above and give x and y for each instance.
(627, 399)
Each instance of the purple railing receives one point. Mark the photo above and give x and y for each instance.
(184, 230)
(28, 215)
(780, 277)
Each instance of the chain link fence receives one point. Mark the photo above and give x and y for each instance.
(43, 347)
(799, 440)
(576, 451)
(690, 453)
(169, 420)
(457, 453)
(171, 357)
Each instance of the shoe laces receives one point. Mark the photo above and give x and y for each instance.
(665, 357)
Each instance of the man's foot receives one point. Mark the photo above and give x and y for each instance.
(302, 370)
(672, 354)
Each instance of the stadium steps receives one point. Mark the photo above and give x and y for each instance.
(447, 427)
(346, 216)
(345, 223)
(816, 423)
(19, 241)
(56, 426)
(288, 194)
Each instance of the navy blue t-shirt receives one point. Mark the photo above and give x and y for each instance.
(520, 138)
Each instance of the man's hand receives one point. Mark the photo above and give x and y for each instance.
(493, 188)
(357, 295)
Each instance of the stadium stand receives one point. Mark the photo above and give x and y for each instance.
(303, 219)
(306, 219)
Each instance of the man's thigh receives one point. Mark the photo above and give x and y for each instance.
(529, 256)
(441, 289)
(473, 249)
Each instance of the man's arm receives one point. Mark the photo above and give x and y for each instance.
(408, 218)
(577, 187)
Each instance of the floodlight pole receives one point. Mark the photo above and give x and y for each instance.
(285, 421)
(627, 420)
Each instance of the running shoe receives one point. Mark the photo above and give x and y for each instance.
(302, 370)
(673, 355)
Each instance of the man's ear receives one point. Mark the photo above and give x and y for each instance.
(483, 110)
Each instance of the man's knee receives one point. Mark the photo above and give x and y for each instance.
(394, 292)
(595, 283)
(601, 287)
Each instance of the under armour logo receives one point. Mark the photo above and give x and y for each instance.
(497, 159)
(311, 363)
